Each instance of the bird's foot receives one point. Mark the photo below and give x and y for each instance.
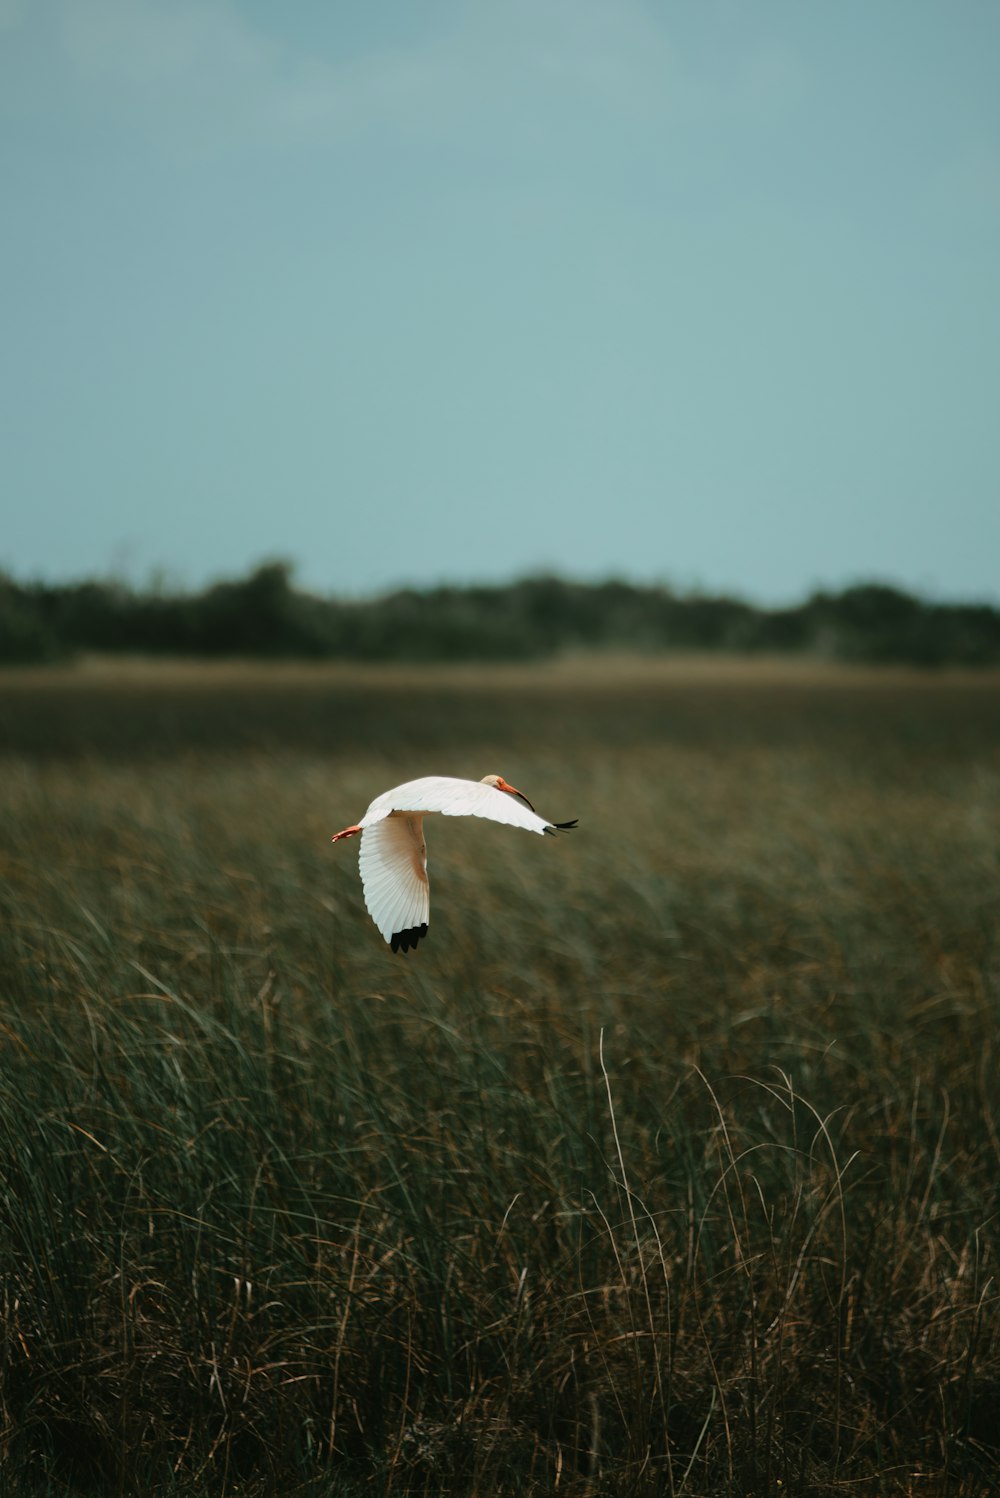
(347, 832)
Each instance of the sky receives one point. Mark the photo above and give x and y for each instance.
(422, 291)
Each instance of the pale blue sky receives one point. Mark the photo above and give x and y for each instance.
(422, 290)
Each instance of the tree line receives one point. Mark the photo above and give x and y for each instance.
(265, 614)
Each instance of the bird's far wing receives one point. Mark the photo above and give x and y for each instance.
(393, 866)
(457, 798)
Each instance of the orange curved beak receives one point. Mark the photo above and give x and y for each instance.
(513, 791)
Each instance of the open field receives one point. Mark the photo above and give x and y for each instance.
(668, 1164)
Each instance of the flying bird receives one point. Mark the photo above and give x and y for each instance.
(393, 857)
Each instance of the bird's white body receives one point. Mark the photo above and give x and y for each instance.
(393, 857)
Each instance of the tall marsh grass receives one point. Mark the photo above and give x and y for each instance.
(668, 1164)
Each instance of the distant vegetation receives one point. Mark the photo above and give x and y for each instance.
(264, 614)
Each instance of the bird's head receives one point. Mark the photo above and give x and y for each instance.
(498, 782)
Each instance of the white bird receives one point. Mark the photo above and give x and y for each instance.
(393, 857)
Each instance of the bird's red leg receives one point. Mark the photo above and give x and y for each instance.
(347, 832)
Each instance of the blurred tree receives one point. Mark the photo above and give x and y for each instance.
(264, 614)
(24, 634)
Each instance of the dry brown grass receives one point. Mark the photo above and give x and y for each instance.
(668, 1164)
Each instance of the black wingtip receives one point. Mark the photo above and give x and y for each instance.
(405, 941)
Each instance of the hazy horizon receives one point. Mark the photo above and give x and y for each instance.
(158, 580)
(704, 296)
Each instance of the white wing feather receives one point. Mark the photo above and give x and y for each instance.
(393, 866)
(454, 798)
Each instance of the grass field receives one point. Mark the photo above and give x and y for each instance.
(668, 1164)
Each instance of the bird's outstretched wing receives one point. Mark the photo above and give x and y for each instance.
(393, 864)
(455, 798)
(393, 857)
